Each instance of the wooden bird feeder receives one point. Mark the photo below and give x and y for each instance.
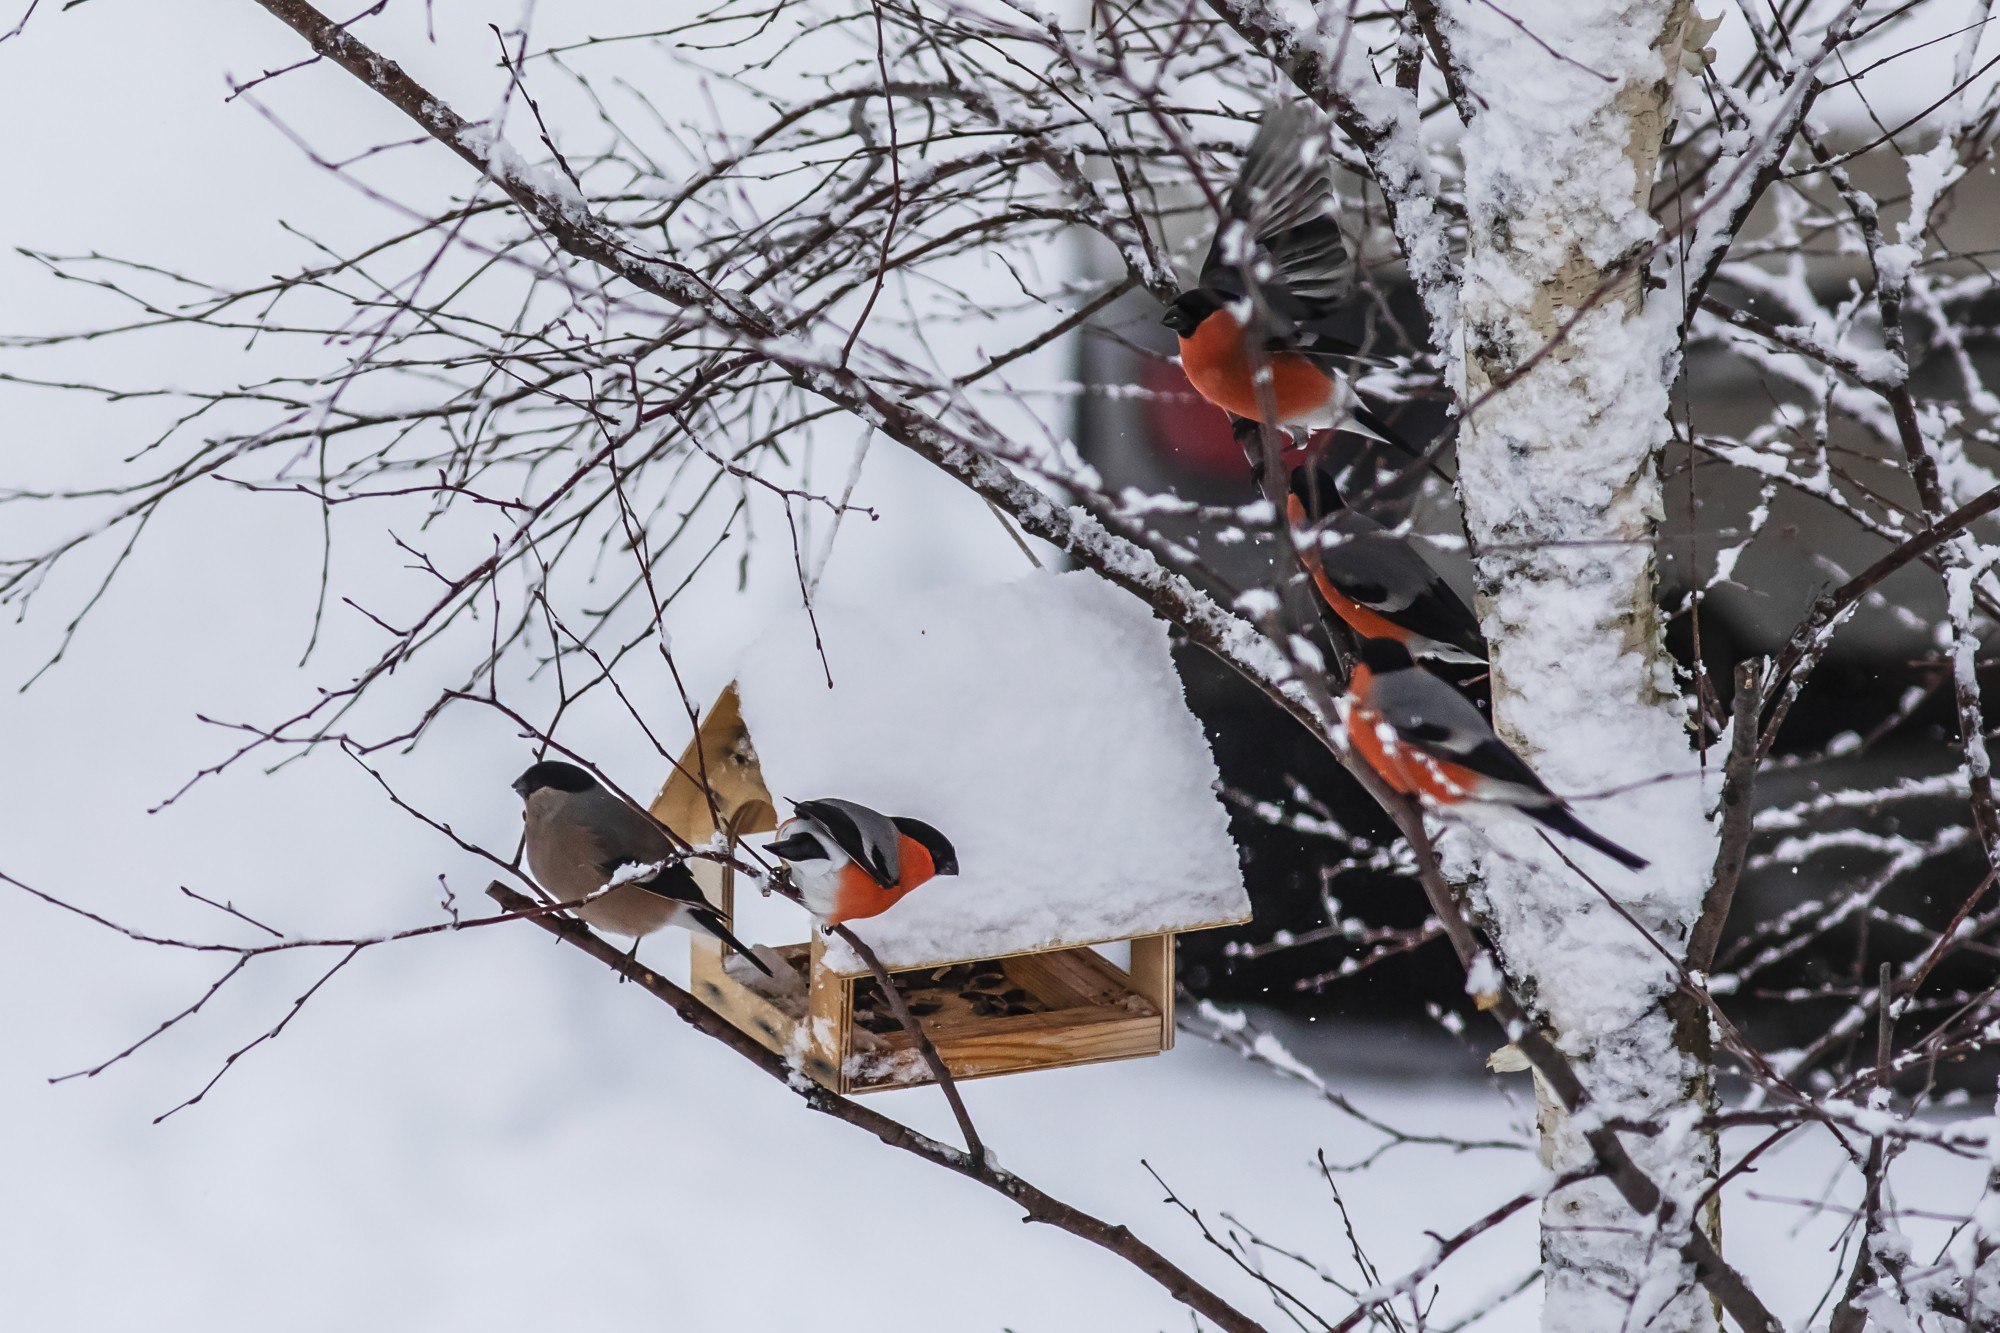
(1066, 841)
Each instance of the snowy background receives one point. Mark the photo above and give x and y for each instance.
(481, 1130)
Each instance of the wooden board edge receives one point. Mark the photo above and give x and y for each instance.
(829, 1022)
(1152, 975)
(1141, 1041)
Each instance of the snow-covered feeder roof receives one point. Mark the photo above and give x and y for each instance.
(1041, 727)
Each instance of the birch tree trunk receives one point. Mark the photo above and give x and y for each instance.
(1561, 484)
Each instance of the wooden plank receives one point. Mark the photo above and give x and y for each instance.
(1107, 1036)
(1068, 978)
(1026, 1025)
(722, 746)
(829, 1020)
(1153, 977)
(753, 1013)
(722, 754)
(1122, 1025)
(1064, 980)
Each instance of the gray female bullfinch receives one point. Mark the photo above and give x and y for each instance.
(580, 836)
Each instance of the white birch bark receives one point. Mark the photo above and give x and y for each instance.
(1560, 479)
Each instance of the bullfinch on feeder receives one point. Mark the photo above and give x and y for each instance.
(849, 862)
(1275, 274)
(580, 837)
(1424, 739)
(1374, 580)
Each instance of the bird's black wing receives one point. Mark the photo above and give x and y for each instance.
(1385, 573)
(1496, 759)
(673, 880)
(1429, 608)
(846, 832)
(1328, 349)
(1439, 615)
(1490, 758)
(1431, 716)
(711, 921)
(1280, 209)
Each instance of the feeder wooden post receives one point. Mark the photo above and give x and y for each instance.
(829, 1018)
(1153, 977)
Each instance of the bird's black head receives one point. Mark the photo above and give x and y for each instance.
(1316, 492)
(553, 773)
(944, 857)
(1188, 310)
(1382, 656)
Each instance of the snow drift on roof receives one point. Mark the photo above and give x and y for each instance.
(1041, 727)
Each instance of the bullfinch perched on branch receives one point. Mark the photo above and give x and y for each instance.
(581, 838)
(1375, 580)
(849, 862)
(1424, 739)
(1276, 272)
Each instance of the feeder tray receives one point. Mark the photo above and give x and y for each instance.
(1037, 1010)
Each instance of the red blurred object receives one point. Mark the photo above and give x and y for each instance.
(1186, 428)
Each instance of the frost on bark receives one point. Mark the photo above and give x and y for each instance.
(1567, 377)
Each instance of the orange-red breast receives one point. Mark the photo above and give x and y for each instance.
(1426, 740)
(1275, 275)
(849, 862)
(1375, 580)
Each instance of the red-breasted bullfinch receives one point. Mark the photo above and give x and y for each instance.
(849, 862)
(1425, 739)
(581, 837)
(1276, 272)
(1375, 580)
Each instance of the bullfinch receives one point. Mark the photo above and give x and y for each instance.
(849, 862)
(1375, 580)
(1425, 739)
(1277, 239)
(580, 837)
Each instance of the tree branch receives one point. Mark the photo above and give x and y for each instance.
(1739, 779)
(939, 1070)
(1809, 641)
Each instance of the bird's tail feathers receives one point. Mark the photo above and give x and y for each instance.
(1559, 819)
(710, 920)
(1369, 422)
